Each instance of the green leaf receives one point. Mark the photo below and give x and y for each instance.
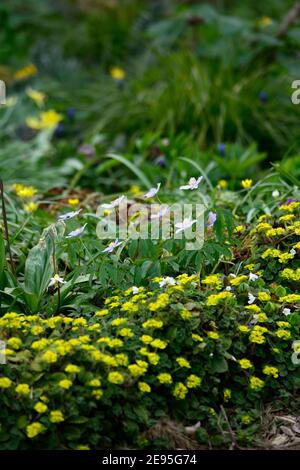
(219, 365)
(140, 175)
(39, 265)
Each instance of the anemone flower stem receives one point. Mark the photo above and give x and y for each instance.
(56, 272)
(6, 227)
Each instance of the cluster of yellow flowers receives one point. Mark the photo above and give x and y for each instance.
(27, 193)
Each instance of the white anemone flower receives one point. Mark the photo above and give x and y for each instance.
(186, 224)
(69, 215)
(167, 281)
(286, 311)
(112, 246)
(135, 290)
(253, 277)
(152, 192)
(114, 203)
(193, 183)
(56, 280)
(251, 299)
(76, 233)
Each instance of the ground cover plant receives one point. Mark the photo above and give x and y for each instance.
(141, 342)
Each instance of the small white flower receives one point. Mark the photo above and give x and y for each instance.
(170, 281)
(293, 252)
(254, 320)
(112, 246)
(114, 203)
(135, 290)
(286, 311)
(69, 215)
(253, 277)
(152, 192)
(228, 288)
(56, 280)
(76, 233)
(182, 226)
(275, 193)
(251, 299)
(192, 184)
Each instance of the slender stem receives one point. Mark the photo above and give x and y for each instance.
(6, 227)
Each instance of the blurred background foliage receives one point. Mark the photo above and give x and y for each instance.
(206, 75)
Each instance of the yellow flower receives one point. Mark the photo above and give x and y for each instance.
(264, 296)
(214, 299)
(73, 201)
(83, 447)
(118, 321)
(115, 378)
(144, 387)
(256, 383)
(153, 358)
(290, 298)
(180, 391)
(126, 332)
(66, 384)
(146, 339)
(213, 335)
(23, 389)
(47, 120)
(245, 363)
(265, 21)
(185, 314)
(136, 370)
(222, 184)
(214, 280)
(196, 337)
(37, 329)
(117, 73)
(31, 207)
(24, 192)
(236, 281)
(26, 72)
(243, 328)
(101, 313)
(122, 359)
(37, 96)
(159, 344)
(94, 383)
(227, 394)
(247, 183)
(56, 416)
(153, 324)
(50, 357)
(246, 419)
(40, 407)
(183, 362)
(32, 430)
(5, 382)
(193, 381)
(164, 378)
(283, 334)
(270, 370)
(98, 393)
(14, 343)
(239, 229)
(161, 302)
